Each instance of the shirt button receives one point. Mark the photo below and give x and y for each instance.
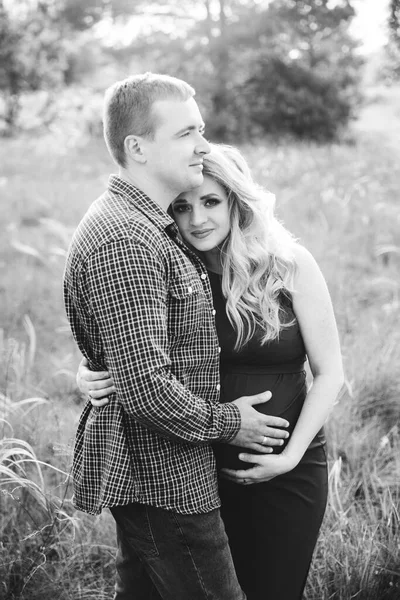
(190, 289)
(218, 387)
(219, 349)
(203, 276)
(214, 312)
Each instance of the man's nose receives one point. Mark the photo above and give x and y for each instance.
(203, 147)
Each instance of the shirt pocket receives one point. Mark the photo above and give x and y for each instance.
(185, 306)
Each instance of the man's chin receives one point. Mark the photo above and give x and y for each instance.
(195, 182)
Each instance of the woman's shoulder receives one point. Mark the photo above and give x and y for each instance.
(303, 258)
(308, 273)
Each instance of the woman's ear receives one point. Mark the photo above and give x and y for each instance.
(133, 148)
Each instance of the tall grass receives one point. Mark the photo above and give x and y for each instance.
(342, 203)
(46, 550)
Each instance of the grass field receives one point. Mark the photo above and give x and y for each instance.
(342, 202)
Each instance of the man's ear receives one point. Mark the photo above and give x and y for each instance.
(133, 148)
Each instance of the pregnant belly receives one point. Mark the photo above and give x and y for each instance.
(288, 390)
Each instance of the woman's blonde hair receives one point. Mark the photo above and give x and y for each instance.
(258, 265)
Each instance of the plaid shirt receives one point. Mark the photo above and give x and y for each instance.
(140, 305)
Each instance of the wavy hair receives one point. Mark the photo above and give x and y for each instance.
(257, 257)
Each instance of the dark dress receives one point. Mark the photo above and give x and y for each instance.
(272, 526)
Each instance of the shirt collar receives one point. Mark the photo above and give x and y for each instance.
(142, 202)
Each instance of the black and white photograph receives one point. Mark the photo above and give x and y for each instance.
(200, 300)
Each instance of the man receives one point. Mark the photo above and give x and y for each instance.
(139, 304)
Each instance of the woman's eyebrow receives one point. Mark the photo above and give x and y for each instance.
(210, 195)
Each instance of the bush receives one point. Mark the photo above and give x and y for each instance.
(286, 97)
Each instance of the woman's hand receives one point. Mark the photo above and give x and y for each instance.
(95, 384)
(266, 467)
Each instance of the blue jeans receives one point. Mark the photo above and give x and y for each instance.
(169, 556)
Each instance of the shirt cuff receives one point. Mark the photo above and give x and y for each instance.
(229, 421)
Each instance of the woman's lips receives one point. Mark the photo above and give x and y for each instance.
(200, 234)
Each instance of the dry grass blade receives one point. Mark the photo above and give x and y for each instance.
(16, 459)
(28, 251)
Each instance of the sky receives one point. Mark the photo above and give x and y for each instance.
(370, 23)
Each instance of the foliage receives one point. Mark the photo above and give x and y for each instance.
(42, 554)
(32, 55)
(298, 74)
(392, 70)
(288, 98)
(394, 22)
(45, 551)
(84, 14)
(307, 83)
(263, 67)
(258, 67)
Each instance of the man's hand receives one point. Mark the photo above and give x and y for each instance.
(258, 432)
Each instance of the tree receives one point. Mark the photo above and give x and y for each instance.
(9, 77)
(84, 14)
(305, 74)
(393, 46)
(394, 21)
(285, 65)
(32, 55)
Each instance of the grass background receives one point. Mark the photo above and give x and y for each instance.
(342, 202)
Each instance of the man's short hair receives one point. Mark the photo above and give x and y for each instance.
(128, 108)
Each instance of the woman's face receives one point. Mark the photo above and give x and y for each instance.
(202, 215)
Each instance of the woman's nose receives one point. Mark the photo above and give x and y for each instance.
(197, 217)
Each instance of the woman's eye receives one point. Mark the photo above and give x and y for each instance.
(212, 202)
(180, 208)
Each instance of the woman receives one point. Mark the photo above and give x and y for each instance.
(273, 311)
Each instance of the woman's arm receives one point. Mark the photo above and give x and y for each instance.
(98, 385)
(313, 309)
